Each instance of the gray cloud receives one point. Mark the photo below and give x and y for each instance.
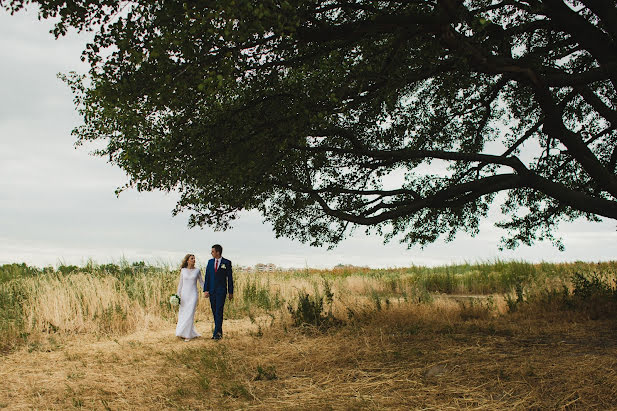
(57, 204)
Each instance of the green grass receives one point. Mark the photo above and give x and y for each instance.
(12, 328)
(471, 278)
(15, 271)
(259, 295)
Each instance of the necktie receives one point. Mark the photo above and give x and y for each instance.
(216, 265)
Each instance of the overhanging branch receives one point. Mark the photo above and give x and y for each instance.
(444, 198)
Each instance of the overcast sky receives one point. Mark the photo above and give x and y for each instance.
(57, 203)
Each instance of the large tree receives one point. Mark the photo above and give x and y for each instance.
(407, 117)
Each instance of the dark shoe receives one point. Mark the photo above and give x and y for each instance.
(217, 337)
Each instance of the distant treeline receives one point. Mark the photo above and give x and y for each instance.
(21, 270)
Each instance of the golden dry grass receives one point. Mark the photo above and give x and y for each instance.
(427, 356)
(101, 304)
(80, 302)
(98, 341)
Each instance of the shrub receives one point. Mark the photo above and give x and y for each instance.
(593, 288)
(309, 311)
(592, 294)
(512, 303)
(13, 271)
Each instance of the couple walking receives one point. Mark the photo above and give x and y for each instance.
(217, 286)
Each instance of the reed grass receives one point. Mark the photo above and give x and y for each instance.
(124, 297)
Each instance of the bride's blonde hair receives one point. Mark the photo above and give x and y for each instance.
(185, 260)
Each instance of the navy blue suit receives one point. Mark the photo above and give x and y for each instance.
(218, 284)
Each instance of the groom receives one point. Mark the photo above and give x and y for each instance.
(218, 282)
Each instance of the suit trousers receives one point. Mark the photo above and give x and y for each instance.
(217, 303)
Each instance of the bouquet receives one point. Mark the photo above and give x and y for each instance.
(174, 299)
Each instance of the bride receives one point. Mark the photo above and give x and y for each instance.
(188, 292)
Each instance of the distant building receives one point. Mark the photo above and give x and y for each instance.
(265, 267)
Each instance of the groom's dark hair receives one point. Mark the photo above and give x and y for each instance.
(218, 248)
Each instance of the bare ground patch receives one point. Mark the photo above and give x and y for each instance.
(395, 359)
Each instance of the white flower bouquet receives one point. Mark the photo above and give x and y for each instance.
(174, 299)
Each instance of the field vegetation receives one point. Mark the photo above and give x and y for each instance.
(496, 335)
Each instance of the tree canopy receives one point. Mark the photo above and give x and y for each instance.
(405, 117)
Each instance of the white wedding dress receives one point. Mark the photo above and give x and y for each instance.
(188, 293)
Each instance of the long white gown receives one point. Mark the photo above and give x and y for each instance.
(188, 293)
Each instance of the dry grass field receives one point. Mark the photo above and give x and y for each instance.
(377, 342)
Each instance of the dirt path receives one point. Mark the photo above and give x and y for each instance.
(124, 372)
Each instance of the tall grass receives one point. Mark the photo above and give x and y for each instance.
(120, 298)
(69, 299)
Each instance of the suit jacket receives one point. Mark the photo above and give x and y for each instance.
(222, 280)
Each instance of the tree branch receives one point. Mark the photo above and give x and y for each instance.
(439, 199)
(594, 101)
(575, 199)
(600, 45)
(607, 13)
